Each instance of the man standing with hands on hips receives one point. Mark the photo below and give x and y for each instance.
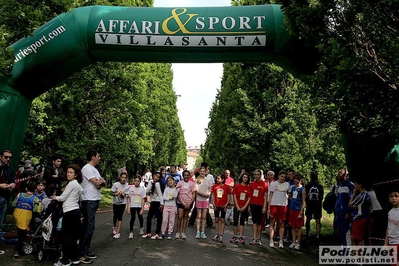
(91, 184)
(7, 182)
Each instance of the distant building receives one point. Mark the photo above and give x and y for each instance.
(191, 159)
(195, 149)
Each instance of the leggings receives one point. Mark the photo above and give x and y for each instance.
(133, 217)
(243, 216)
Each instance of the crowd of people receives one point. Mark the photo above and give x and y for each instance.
(278, 205)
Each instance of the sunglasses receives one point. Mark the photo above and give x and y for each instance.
(7, 157)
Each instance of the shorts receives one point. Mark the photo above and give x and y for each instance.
(278, 212)
(293, 219)
(256, 212)
(359, 229)
(202, 204)
(314, 211)
(221, 211)
(181, 206)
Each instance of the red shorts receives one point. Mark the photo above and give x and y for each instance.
(294, 221)
(278, 212)
(359, 229)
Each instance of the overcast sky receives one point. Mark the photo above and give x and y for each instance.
(195, 83)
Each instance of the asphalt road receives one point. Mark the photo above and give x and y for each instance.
(193, 252)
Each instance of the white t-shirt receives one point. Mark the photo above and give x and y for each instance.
(90, 192)
(204, 187)
(393, 226)
(118, 200)
(136, 194)
(280, 193)
(169, 193)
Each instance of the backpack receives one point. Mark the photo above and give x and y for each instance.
(329, 202)
(313, 194)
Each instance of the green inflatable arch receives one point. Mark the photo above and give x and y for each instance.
(85, 35)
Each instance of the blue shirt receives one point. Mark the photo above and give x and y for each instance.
(296, 198)
(176, 176)
(363, 203)
(344, 194)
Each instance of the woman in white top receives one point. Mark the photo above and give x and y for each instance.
(71, 197)
(203, 188)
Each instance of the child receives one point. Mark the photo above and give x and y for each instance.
(278, 206)
(392, 234)
(203, 186)
(241, 196)
(25, 205)
(258, 206)
(169, 208)
(39, 192)
(360, 204)
(220, 198)
(186, 198)
(135, 204)
(297, 206)
(155, 190)
(119, 191)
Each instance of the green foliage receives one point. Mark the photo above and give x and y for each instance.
(126, 110)
(263, 118)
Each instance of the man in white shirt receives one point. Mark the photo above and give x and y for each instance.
(91, 184)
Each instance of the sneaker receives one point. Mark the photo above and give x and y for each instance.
(285, 239)
(16, 255)
(253, 242)
(215, 238)
(183, 236)
(117, 235)
(221, 239)
(241, 240)
(90, 255)
(59, 263)
(264, 231)
(161, 236)
(114, 231)
(292, 246)
(259, 242)
(141, 231)
(271, 244)
(297, 247)
(85, 260)
(203, 235)
(281, 244)
(267, 226)
(177, 236)
(131, 235)
(169, 237)
(76, 262)
(198, 235)
(317, 237)
(155, 236)
(233, 239)
(146, 236)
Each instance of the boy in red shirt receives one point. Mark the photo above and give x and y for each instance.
(220, 198)
(258, 205)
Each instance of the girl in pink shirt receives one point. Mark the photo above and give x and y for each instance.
(186, 198)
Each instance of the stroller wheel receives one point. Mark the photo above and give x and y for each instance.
(41, 255)
(27, 249)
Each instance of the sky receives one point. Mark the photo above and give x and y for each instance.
(196, 84)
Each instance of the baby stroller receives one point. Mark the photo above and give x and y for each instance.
(43, 240)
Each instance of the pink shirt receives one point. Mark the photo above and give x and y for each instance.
(186, 190)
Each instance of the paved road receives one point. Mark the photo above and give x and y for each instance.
(191, 251)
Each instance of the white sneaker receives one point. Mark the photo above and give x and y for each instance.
(131, 235)
(297, 247)
(141, 231)
(221, 239)
(293, 245)
(117, 235)
(215, 238)
(281, 244)
(114, 231)
(177, 236)
(183, 236)
(271, 244)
